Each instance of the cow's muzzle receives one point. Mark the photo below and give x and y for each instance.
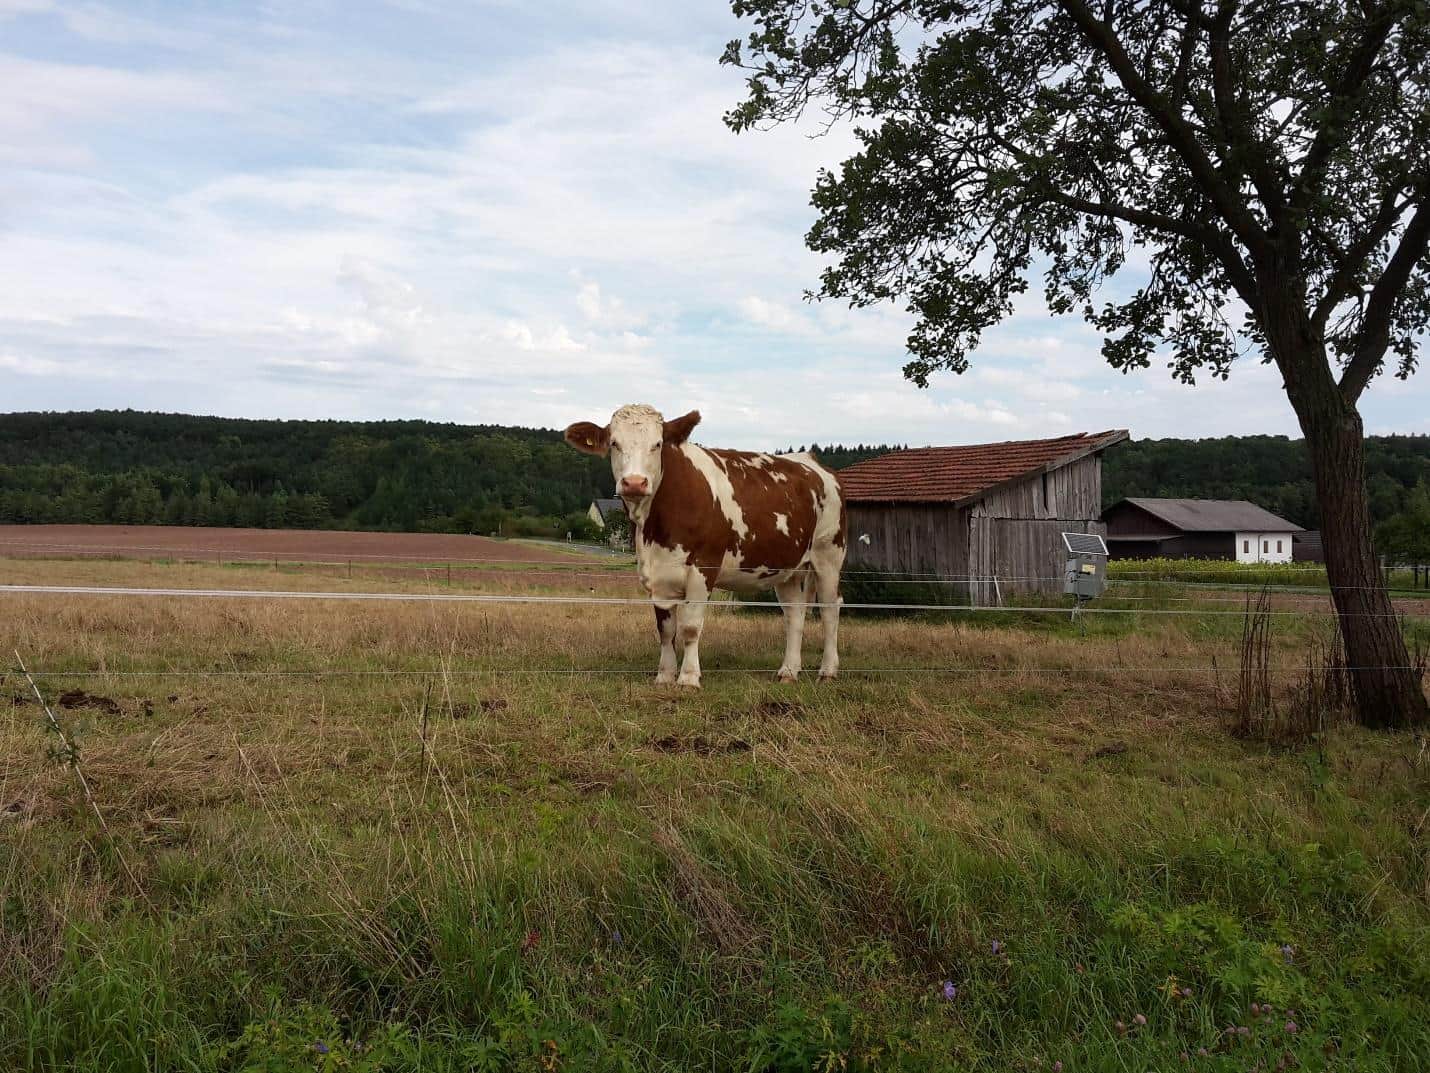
(635, 487)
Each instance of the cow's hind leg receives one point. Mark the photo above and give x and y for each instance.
(827, 564)
(665, 629)
(792, 601)
(692, 621)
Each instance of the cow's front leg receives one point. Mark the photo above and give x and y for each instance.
(692, 621)
(665, 630)
(792, 601)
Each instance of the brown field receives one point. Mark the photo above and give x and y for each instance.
(164, 541)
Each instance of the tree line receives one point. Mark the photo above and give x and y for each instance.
(125, 467)
(1271, 471)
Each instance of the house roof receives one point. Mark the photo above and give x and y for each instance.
(1212, 515)
(605, 506)
(960, 474)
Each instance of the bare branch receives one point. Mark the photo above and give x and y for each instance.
(1341, 284)
(1380, 307)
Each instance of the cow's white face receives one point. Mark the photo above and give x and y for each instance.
(634, 439)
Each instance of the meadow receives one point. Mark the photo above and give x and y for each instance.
(329, 835)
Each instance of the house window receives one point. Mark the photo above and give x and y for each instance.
(1246, 547)
(1278, 547)
(1265, 546)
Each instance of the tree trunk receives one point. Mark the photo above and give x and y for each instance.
(1387, 690)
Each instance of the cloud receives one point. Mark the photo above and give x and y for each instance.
(483, 213)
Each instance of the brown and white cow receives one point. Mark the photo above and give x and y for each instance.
(736, 520)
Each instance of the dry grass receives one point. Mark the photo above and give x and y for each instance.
(790, 824)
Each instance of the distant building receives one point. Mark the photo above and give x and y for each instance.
(1198, 529)
(601, 507)
(985, 518)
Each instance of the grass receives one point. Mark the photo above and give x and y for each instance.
(490, 862)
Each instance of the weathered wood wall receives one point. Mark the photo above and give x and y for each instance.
(910, 538)
(1013, 533)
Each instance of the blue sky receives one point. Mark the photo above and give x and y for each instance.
(478, 212)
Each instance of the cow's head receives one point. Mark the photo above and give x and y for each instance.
(634, 438)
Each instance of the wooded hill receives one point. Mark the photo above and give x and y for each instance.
(146, 468)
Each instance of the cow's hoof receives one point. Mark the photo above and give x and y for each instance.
(828, 676)
(688, 683)
(665, 679)
(785, 675)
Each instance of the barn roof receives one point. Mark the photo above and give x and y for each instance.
(1212, 515)
(605, 506)
(960, 474)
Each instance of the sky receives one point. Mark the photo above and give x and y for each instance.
(483, 212)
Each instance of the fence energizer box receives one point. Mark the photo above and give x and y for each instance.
(1086, 573)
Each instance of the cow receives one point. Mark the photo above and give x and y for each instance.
(707, 519)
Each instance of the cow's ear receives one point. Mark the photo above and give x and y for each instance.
(592, 439)
(677, 431)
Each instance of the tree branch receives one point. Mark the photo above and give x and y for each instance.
(1341, 283)
(1332, 127)
(1380, 307)
(1214, 242)
(1182, 140)
(1240, 138)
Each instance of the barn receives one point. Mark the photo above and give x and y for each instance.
(986, 515)
(1140, 528)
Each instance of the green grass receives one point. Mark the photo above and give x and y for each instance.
(472, 868)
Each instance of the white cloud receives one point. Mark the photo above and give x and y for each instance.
(474, 214)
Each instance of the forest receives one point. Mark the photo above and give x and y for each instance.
(130, 467)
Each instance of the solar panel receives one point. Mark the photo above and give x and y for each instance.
(1084, 544)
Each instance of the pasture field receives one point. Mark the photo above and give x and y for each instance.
(452, 836)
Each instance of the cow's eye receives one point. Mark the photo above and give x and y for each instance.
(658, 444)
(615, 446)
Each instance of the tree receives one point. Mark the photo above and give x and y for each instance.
(1405, 537)
(1267, 162)
(618, 528)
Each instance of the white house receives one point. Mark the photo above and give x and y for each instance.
(600, 508)
(1263, 547)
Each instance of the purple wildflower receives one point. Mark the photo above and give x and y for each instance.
(1202, 1052)
(1058, 1066)
(1243, 1031)
(997, 948)
(1255, 1010)
(320, 1047)
(1140, 1020)
(616, 939)
(1288, 952)
(1186, 992)
(1292, 1027)
(949, 991)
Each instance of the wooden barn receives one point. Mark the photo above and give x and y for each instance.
(987, 516)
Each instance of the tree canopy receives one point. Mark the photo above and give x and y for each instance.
(1213, 147)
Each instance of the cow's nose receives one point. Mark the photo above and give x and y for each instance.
(634, 486)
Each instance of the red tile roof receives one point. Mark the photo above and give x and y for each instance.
(955, 474)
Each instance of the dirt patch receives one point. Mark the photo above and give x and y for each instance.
(78, 698)
(1115, 748)
(698, 744)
